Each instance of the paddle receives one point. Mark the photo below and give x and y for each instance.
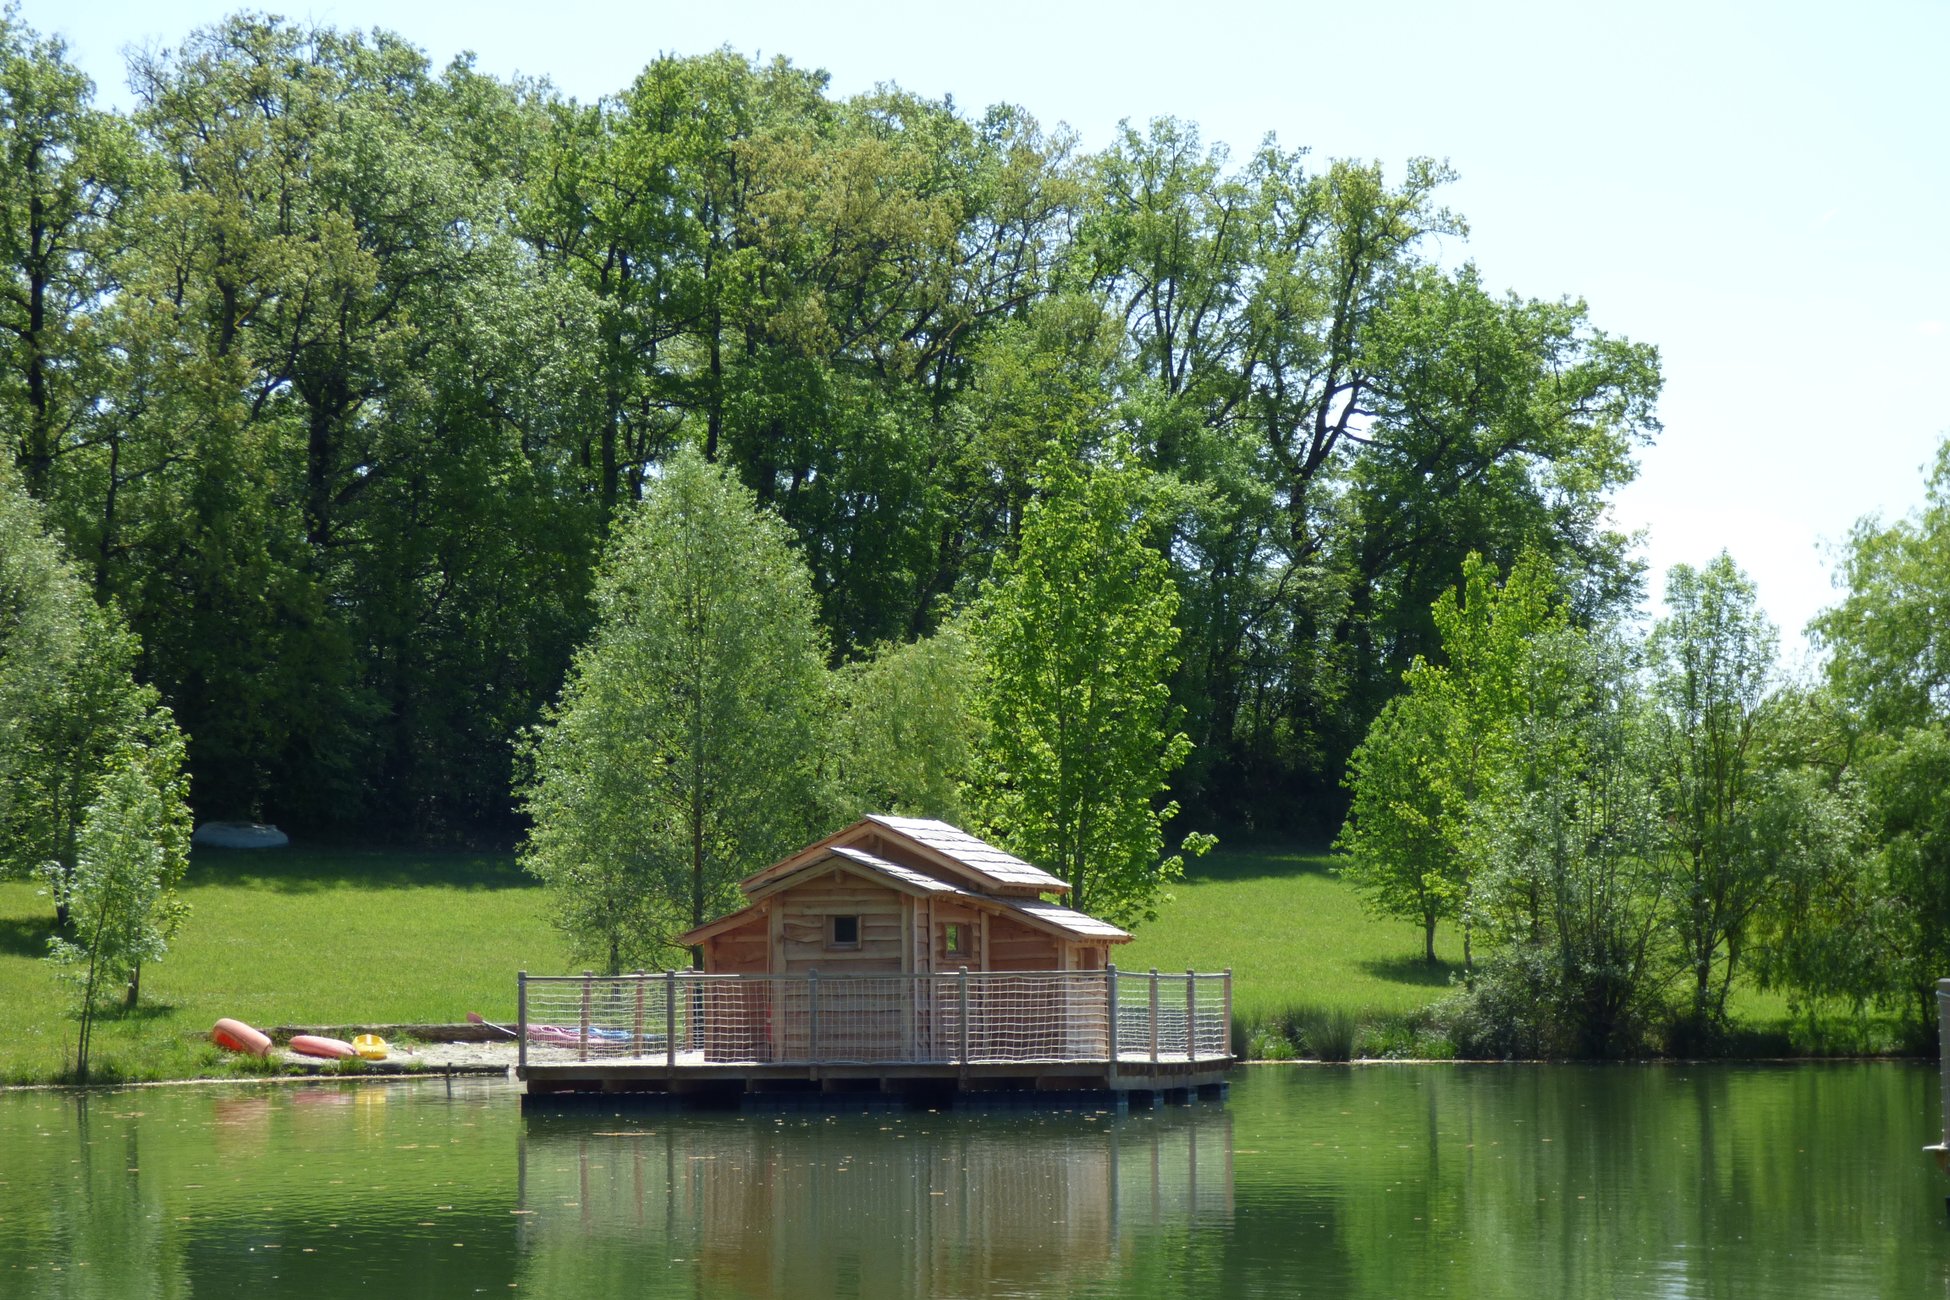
(474, 1018)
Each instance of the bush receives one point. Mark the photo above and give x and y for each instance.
(1521, 1006)
(1403, 1035)
(1329, 1035)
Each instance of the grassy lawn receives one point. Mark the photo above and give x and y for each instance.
(338, 937)
(290, 937)
(1295, 937)
(1292, 933)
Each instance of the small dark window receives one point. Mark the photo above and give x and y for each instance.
(951, 939)
(846, 932)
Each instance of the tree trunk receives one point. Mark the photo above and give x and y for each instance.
(319, 454)
(105, 547)
(37, 449)
(697, 866)
(714, 417)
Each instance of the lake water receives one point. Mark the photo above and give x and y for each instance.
(1803, 1180)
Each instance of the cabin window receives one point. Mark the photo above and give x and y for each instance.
(951, 939)
(846, 932)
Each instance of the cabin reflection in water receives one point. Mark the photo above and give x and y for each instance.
(901, 1203)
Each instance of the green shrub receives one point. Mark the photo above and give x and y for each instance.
(1403, 1036)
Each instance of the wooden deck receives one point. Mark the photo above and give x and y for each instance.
(685, 1037)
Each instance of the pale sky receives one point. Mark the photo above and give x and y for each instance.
(1761, 190)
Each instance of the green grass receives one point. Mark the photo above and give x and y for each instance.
(340, 937)
(288, 937)
(1292, 933)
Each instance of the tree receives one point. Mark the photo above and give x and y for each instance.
(1712, 661)
(68, 703)
(1077, 643)
(331, 368)
(1889, 664)
(684, 751)
(1580, 843)
(326, 463)
(134, 846)
(904, 727)
(1824, 933)
(1401, 830)
(65, 172)
(1442, 751)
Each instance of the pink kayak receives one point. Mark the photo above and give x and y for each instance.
(236, 1036)
(334, 1049)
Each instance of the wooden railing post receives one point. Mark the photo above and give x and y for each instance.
(1191, 1015)
(812, 1017)
(521, 1019)
(670, 1019)
(1154, 1015)
(964, 1015)
(1225, 1012)
(582, 1039)
(636, 1040)
(1110, 1006)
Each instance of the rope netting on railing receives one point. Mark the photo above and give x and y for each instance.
(691, 1019)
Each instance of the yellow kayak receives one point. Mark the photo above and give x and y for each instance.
(370, 1046)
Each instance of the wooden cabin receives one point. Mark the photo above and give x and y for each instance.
(897, 954)
(902, 896)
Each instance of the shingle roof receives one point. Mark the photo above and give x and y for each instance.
(1048, 916)
(1051, 915)
(978, 856)
(1068, 918)
(916, 878)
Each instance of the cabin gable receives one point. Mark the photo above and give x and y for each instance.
(839, 923)
(932, 848)
(883, 898)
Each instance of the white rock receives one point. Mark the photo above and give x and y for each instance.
(239, 835)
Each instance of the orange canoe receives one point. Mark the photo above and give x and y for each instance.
(336, 1049)
(236, 1036)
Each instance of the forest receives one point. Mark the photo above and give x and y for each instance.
(331, 372)
(332, 368)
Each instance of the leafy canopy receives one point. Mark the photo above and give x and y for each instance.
(1078, 735)
(71, 711)
(683, 753)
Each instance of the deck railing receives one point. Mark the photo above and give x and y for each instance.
(684, 1018)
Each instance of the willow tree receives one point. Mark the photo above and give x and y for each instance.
(1078, 730)
(682, 753)
(1890, 665)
